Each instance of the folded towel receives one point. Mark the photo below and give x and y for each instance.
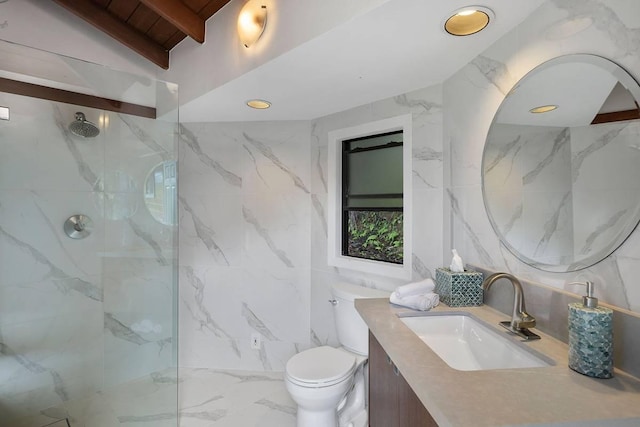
(416, 288)
(417, 302)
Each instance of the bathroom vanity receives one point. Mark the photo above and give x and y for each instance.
(392, 402)
(408, 379)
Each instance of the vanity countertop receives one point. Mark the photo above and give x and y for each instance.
(507, 397)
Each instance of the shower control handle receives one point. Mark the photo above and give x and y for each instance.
(333, 302)
(78, 226)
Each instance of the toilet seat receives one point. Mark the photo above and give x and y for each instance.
(320, 367)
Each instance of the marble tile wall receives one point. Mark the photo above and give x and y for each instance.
(472, 96)
(245, 204)
(139, 260)
(522, 197)
(425, 106)
(78, 316)
(253, 231)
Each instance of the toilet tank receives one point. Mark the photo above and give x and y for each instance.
(353, 333)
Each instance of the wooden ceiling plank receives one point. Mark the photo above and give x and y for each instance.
(196, 5)
(180, 16)
(101, 3)
(211, 8)
(162, 31)
(174, 40)
(122, 8)
(120, 31)
(143, 18)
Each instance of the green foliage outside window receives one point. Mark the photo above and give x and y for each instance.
(376, 235)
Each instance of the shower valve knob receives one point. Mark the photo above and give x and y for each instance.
(78, 226)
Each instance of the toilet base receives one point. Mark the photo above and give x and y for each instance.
(354, 411)
(316, 419)
(360, 420)
(340, 405)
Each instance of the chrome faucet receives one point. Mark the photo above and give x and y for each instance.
(521, 321)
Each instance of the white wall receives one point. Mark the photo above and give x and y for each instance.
(201, 68)
(425, 106)
(253, 231)
(245, 216)
(473, 95)
(47, 26)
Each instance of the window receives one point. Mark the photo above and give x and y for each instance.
(369, 197)
(372, 197)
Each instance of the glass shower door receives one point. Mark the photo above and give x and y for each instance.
(87, 314)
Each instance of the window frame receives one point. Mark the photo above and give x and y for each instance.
(335, 212)
(347, 153)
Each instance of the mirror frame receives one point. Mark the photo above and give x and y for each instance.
(634, 88)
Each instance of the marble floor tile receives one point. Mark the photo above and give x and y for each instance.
(234, 399)
(206, 398)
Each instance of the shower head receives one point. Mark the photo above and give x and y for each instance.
(83, 128)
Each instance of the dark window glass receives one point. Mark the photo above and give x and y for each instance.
(372, 197)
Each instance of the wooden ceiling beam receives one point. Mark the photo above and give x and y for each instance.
(75, 98)
(119, 30)
(616, 116)
(180, 16)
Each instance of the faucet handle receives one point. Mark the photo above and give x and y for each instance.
(525, 321)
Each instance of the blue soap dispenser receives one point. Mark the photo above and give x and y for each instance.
(590, 336)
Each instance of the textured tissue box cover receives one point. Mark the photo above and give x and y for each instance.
(459, 289)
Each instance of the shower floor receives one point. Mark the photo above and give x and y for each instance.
(206, 398)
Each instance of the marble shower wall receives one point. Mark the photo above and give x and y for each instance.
(608, 28)
(72, 312)
(139, 261)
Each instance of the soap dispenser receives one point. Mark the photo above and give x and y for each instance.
(590, 336)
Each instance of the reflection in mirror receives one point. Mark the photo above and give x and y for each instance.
(161, 192)
(562, 187)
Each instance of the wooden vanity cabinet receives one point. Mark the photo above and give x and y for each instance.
(392, 402)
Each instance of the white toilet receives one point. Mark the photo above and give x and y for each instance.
(329, 384)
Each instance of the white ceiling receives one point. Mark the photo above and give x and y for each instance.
(578, 89)
(392, 47)
(581, 86)
(395, 48)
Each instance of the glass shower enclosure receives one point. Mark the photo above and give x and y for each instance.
(88, 244)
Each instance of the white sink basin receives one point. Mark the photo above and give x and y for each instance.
(468, 344)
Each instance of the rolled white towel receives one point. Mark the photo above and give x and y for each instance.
(416, 288)
(417, 302)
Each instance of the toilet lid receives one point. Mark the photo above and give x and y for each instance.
(320, 365)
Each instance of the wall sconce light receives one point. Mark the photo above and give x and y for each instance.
(251, 22)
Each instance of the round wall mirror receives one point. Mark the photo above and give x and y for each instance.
(561, 164)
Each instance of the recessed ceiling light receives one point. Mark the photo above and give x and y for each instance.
(259, 104)
(543, 109)
(468, 20)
